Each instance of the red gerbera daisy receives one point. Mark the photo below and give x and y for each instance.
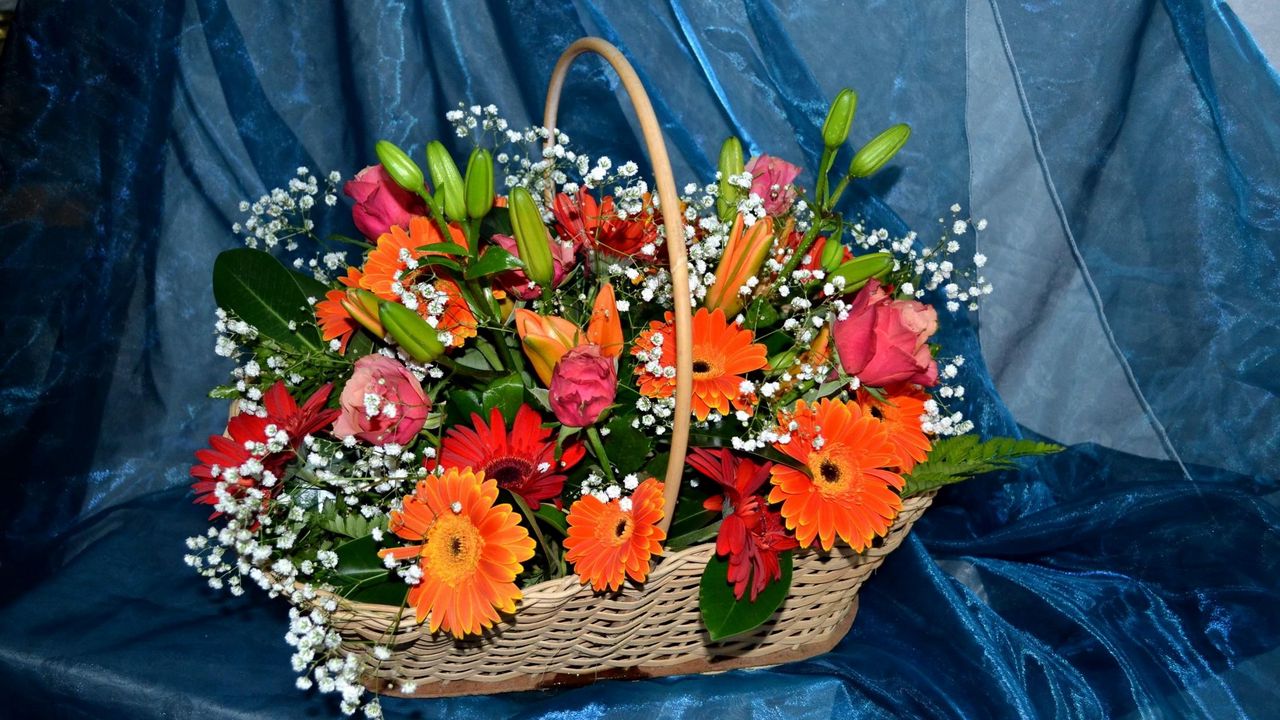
(299, 422)
(522, 461)
(751, 535)
(583, 221)
(233, 459)
(242, 457)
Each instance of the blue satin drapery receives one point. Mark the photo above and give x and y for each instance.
(1126, 154)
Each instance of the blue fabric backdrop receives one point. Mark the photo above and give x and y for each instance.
(1127, 154)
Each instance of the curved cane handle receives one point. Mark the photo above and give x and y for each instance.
(678, 260)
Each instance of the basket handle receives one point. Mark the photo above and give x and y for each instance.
(678, 260)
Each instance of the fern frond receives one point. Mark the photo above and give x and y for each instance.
(959, 458)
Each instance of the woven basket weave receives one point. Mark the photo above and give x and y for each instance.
(563, 632)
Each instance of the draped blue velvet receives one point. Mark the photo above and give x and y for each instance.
(1127, 155)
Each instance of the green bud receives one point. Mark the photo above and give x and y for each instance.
(410, 331)
(400, 166)
(833, 250)
(447, 180)
(479, 185)
(731, 164)
(784, 360)
(859, 270)
(835, 130)
(532, 239)
(879, 151)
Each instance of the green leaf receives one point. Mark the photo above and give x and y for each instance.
(506, 393)
(361, 576)
(353, 525)
(761, 313)
(255, 287)
(726, 616)
(493, 261)
(440, 261)
(363, 244)
(554, 517)
(959, 458)
(627, 446)
(689, 539)
(446, 248)
(461, 404)
(496, 222)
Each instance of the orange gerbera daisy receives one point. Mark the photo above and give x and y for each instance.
(470, 551)
(608, 540)
(392, 266)
(843, 487)
(900, 414)
(722, 354)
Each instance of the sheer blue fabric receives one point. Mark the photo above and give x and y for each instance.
(1127, 156)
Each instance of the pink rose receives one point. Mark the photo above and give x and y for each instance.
(771, 179)
(884, 342)
(517, 283)
(380, 202)
(583, 384)
(382, 403)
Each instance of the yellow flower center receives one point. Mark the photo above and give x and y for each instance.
(832, 474)
(453, 549)
(707, 367)
(616, 530)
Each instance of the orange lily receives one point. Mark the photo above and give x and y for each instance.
(743, 256)
(605, 327)
(546, 338)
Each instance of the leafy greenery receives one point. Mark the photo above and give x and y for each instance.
(361, 576)
(493, 261)
(958, 458)
(628, 447)
(725, 615)
(255, 287)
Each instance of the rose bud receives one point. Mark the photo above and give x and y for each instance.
(380, 202)
(583, 384)
(884, 341)
(382, 403)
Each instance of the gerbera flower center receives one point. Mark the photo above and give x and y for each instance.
(832, 473)
(508, 471)
(453, 548)
(704, 368)
(616, 530)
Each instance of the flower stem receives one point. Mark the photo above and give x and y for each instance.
(593, 436)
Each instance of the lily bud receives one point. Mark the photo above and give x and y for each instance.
(833, 250)
(533, 241)
(605, 327)
(411, 332)
(400, 166)
(447, 180)
(479, 184)
(743, 255)
(731, 164)
(362, 306)
(835, 130)
(545, 339)
(859, 270)
(879, 151)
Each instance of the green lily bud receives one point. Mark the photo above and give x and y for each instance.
(362, 306)
(447, 179)
(731, 164)
(859, 270)
(479, 185)
(400, 166)
(532, 239)
(833, 250)
(879, 151)
(410, 331)
(784, 360)
(835, 130)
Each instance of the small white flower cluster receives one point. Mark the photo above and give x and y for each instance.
(938, 420)
(475, 119)
(232, 333)
(604, 491)
(282, 215)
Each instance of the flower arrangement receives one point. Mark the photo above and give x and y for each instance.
(483, 398)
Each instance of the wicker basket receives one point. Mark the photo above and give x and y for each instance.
(564, 633)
